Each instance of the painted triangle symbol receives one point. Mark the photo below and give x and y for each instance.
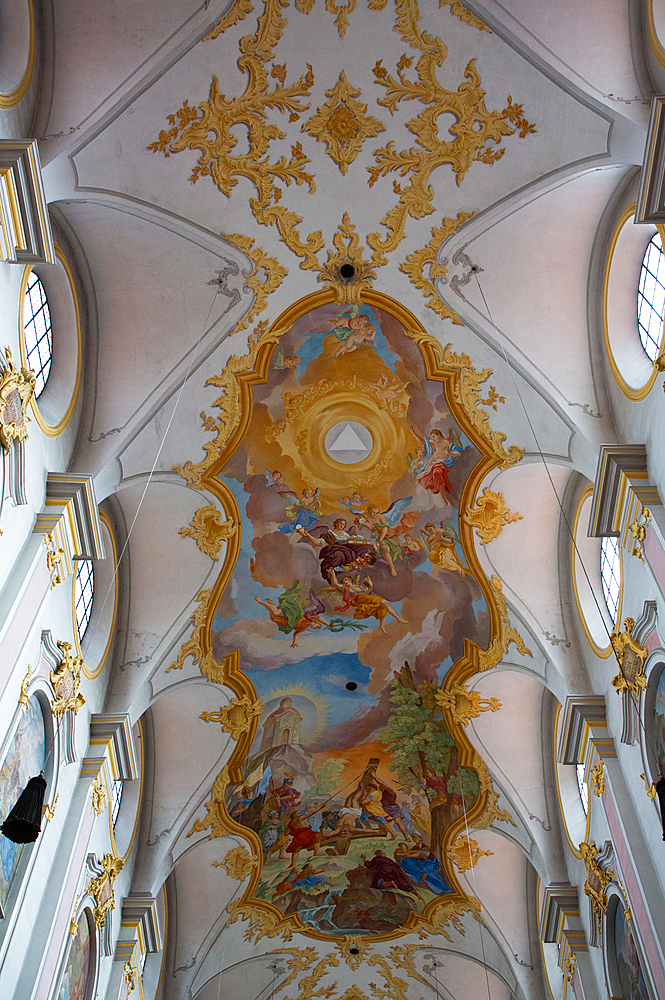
(347, 440)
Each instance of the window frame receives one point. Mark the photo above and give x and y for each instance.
(33, 353)
(646, 270)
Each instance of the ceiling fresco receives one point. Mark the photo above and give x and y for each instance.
(349, 612)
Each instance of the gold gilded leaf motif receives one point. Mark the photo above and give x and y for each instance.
(343, 123)
(98, 794)
(17, 387)
(464, 853)
(238, 863)
(271, 268)
(216, 815)
(630, 657)
(236, 717)
(360, 947)
(228, 402)
(597, 778)
(101, 888)
(473, 128)
(238, 12)
(192, 647)
(490, 515)
(347, 251)
(488, 658)
(417, 262)
(341, 20)
(23, 697)
(210, 530)
(597, 878)
(459, 10)
(464, 704)
(66, 680)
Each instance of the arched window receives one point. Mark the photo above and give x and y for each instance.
(116, 799)
(610, 574)
(583, 788)
(651, 298)
(84, 592)
(37, 331)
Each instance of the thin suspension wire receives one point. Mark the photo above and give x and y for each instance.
(154, 465)
(475, 889)
(563, 513)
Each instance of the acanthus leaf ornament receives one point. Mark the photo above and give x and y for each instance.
(465, 853)
(23, 698)
(66, 680)
(423, 268)
(464, 704)
(347, 250)
(98, 795)
(192, 646)
(343, 124)
(236, 717)
(101, 888)
(458, 9)
(210, 529)
(630, 657)
(238, 863)
(499, 646)
(490, 515)
(17, 387)
(54, 559)
(597, 778)
(597, 878)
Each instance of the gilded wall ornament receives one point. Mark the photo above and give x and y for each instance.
(597, 778)
(210, 530)
(273, 275)
(192, 646)
(570, 967)
(17, 387)
(343, 123)
(129, 975)
(354, 949)
(465, 853)
(48, 812)
(423, 268)
(66, 680)
(216, 818)
(490, 515)
(73, 925)
(238, 12)
(236, 717)
(458, 9)
(54, 559)
(101, 888)
(98, 794)
(597, 879)
(464, 704)
(238, 863)
(650, 789)
(23, 697)
(630, 656)
(638, 530)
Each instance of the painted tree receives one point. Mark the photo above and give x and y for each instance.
(424, 754)
(329, 773)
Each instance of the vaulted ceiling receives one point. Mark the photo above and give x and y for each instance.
(215, 164)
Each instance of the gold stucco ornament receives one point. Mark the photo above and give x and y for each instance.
(101, 887)
(98, 795)
(210, 529)
(597, 778)
(66, 680)
(597, 878)
(238, 863)
(465, 853)
(236, 717)
(490, 515)
(343, 123)
(464, 704)
(17, 387)
(630, 656)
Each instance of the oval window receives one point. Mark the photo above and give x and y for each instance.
(651, 298)
(37, 332)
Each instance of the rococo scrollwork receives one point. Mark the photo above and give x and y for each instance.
(17, 387)
(630, 657)
(66, 680)
(331, 567)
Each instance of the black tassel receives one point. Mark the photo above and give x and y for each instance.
(660, 791)
(24, 822)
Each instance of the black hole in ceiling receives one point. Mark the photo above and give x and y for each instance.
(354, 951)
(347, 271)
(351, 686)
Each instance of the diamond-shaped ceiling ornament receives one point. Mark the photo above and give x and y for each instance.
(342, 123)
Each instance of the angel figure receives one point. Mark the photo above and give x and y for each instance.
(359, 596)
(303, 512)
(386, 526)
(286, 361)
(354, 502)
(275, 478)
(273, 432)
(387, 389)
(352, 331)
(441, 544)
(291, 614)
(431, 470)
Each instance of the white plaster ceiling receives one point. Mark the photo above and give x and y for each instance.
(153, 242)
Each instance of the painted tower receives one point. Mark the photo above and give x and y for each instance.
(282, 726)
